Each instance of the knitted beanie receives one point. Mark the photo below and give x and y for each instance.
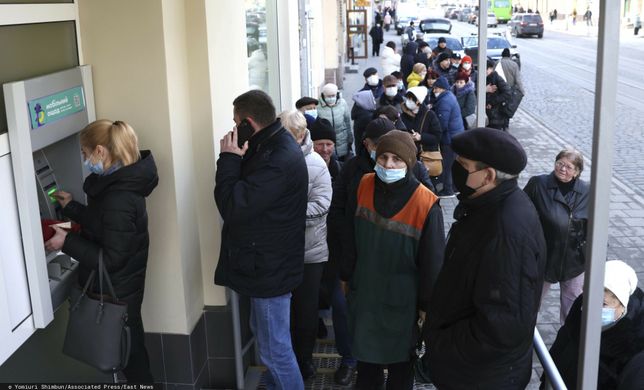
(399, 143)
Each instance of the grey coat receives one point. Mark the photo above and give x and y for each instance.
(512, 74)
(317, 206)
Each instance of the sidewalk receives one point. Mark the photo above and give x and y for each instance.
(565, 26)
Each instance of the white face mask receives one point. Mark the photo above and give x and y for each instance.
(401, 85)
(391, 91)
(373, 80)
(437, 93)
(467, 66)
(411, 105)
(313, 113)
(330, 100)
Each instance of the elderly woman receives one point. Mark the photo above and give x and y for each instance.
(621, 351)
(561, 199)
(304, 303)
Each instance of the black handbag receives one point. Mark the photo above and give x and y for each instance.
(512, 105)
(97, 331)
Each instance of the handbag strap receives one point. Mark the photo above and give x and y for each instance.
(422, 126)
(103, 274)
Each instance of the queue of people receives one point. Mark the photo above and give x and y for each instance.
(348, 201)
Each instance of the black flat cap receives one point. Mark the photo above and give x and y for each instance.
(442, 57)
(496, 148)
(369, 71)
(305, 101)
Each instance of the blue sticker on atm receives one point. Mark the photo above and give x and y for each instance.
(51, 108)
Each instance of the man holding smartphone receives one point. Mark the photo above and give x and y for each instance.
(261, 190)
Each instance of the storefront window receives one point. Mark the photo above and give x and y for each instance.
(262, 46)
(36, 49)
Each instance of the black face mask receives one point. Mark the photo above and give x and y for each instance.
(459, 176)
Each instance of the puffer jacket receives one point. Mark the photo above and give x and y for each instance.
(116, 221)
(389, 60)
(317, 206)
(340, 117)
(466, 99)
(449, 114)
(413, 80)
(564, 224)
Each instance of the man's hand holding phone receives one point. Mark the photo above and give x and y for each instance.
(229, 144)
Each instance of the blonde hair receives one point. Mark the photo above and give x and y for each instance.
(117, 137)
(293, 121)
(419, 68)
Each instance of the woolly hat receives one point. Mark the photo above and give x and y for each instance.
(441, 82)
(442, 40)
(369, 71)
(466, 59)
(442, 57)
(377, 128)
(305, 101)
(621, 280)
(496, 148)
(329, 89)
(399, 143)
(420, 92)
(322, 129)
(462, 76)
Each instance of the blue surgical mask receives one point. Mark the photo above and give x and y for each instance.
(96, 168)
(313, 113)
(330, 100)
(372, 154)
(390, 175)
(608, 316)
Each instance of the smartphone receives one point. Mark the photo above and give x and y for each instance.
(244, 132)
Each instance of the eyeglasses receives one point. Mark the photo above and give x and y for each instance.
(563, 165)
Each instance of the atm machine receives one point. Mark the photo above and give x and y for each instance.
(44, 116)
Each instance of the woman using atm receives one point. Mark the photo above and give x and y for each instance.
(114, 221)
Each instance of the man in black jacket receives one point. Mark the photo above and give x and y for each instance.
(482, 313)
(261, 193)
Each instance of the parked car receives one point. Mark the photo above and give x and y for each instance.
(454, 14)
(465, 15)
(440, 26)
(453, 43)
(448, 11)
(491, 20)
(495, 46)
(526, 24)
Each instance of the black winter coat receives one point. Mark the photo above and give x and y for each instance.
(361, 118)
(564, 221)
(116, 221)
(262, 199)
(407, 60)
(430, 129)
(619, 344)
(484, 308)
(497, 119)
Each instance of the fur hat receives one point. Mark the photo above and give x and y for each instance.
(621, 280)
(493, 147)
(399, 143)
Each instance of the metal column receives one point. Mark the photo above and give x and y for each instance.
(604, 126)
(482, 61)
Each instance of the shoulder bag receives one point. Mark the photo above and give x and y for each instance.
(97, 331)
(432, 160)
